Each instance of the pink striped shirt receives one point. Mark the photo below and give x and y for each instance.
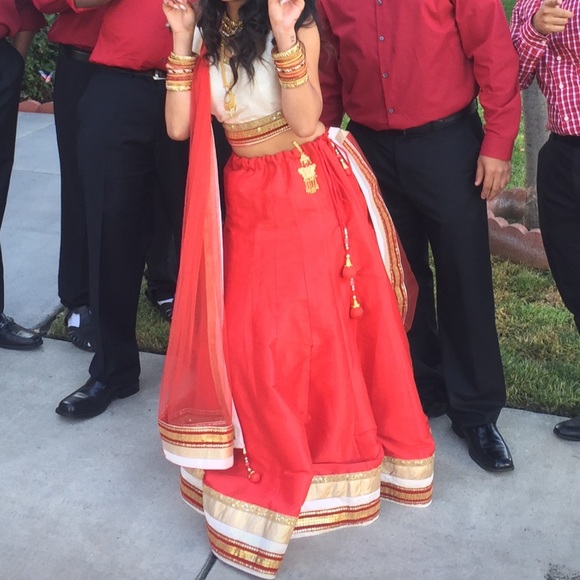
(555, 62)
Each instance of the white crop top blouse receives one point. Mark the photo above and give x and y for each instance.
(255, 99)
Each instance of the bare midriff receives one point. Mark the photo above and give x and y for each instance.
(277, 143)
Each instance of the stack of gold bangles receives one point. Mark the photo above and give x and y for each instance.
(180, 72)
(291, 66)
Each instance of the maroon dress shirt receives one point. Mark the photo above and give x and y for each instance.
(134, 35)
(72, 26)
(401, 64)
(18, 16)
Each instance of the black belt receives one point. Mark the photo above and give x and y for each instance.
(435, 125)
(573, 140)
(74, 53)
(153, 73)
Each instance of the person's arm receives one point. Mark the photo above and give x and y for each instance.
(22, 41)
(330, 79)
(532, 21)
(31, 20)
(182, 19)
(301, 105)
(486, 41)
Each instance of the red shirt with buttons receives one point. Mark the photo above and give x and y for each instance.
(400, 64)
(133, 35)
(19, 16)
(72, 26)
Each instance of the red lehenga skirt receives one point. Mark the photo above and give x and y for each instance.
(300, 360)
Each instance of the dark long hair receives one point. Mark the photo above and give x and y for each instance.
(250, 43)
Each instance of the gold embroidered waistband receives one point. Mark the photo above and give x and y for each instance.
(252, 132)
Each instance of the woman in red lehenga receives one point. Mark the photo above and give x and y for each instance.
(288, 397)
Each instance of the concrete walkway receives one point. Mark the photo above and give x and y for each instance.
(96, 500)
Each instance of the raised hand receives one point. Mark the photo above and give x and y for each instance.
(551, 17)
(181, 16)
(283, 16)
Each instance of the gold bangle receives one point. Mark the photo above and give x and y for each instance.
(294, 84)
(178, 88)
(297, 48)
(177, 59)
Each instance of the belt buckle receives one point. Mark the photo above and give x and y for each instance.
(159, 75)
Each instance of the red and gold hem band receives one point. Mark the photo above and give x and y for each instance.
(197, 436)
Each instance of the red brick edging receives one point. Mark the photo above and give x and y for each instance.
(30, 106)
(513, 241)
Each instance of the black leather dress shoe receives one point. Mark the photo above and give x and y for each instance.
(569, 430)
(486, 446)
(15, 337)
(93, 398)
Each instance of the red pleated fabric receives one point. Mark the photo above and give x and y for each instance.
(317, 391)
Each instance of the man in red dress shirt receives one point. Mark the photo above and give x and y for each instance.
(18, 20)
(125, 157)
(76, 32)
(407, 74)
(546, 34)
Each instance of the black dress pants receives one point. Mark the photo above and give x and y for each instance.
(72, 79)
(559, 211)
(427, 182)
(125, 156)
(74, 75)
(11, 72)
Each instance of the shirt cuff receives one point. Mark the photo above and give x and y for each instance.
(497, 147)
(531, 36)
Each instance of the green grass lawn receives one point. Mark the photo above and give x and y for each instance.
(539, 342)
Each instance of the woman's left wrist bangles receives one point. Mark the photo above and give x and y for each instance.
(291, 66)
(180, 72)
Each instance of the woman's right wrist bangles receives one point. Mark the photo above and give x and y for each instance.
(180, 72)
(291, 66)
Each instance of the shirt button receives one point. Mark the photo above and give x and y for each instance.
(558, 58)
(561, 86)
(385, 75)
(379, 2)
(381, 38)
(566, 118)
(391, 110)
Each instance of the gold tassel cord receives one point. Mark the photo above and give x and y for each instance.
(307, 170)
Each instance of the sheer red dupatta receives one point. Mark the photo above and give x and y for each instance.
(195, 405)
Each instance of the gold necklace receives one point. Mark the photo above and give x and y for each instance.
(228, 30)
(229, 97)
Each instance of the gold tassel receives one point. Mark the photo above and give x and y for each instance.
(307, 171)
